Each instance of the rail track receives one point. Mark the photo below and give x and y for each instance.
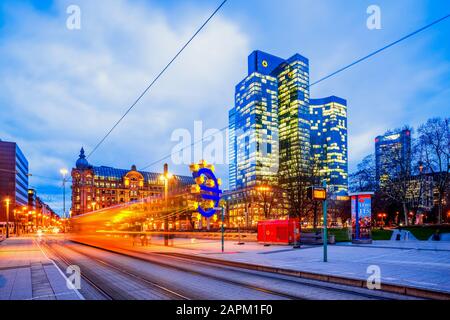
(227, 275)
(103, 285)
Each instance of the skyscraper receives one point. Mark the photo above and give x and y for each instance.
(255, 127)
(392, 154)
(269, 124)
(294, 124)
(329, 142)
(13, 178)
(232, 149)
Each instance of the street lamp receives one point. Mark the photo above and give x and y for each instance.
(64, 174)
(7, 200)
(165, 177)
(382, 216)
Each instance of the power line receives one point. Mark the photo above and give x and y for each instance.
(31, 175)
(382, 49)
(157, 77)
(182, 149)
(321, 80)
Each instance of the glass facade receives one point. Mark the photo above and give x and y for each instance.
(255, 124)
(277, 134)
(232, 149)
(294, 125)
(13, 177)
(269, 124)
(21, 178)
(329, 141)
(392, 154)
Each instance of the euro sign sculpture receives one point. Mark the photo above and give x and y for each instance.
(208, 189)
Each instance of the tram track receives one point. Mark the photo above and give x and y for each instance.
(109, 290)
(191, 271)
(180, 264)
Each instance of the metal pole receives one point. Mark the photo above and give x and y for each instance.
(239, 231)
(7, 219)
(64, 196)
(166, 220)
(223, 230)
(325, 226)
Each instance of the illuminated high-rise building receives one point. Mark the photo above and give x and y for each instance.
(13, 179)
(232, 149)
(254, 133)
(269, 125)
(329, 142)
(293, 119)
(392, 154)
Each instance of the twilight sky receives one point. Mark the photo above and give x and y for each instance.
(63, 89)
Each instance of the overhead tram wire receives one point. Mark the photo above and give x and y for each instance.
(382, 49)
(31, 175)
(321, 79)
(157, 77)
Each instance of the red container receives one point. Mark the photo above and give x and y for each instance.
(279, 231)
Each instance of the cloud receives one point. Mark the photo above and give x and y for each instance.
(63, 89)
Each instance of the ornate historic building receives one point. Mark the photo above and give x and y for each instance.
(95, 188)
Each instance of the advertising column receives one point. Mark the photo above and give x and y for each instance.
(362, 217)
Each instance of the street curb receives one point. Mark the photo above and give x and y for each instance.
(387, 287)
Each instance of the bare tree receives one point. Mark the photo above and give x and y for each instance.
(270, 198)
(295, 180)
(434, 140)
(363, 179)
(396, 176)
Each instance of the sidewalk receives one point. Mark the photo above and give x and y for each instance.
(27, 274)
(418, 264)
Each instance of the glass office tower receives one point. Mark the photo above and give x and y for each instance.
(293, 118)
(392, 154)
(269, 125)
(329, 142)
(232, 149)
(256, 124)
(13, 177)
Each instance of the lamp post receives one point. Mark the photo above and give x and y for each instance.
(64, 174)
(15, 223)
(166, 176)
(325, 225)
(7, 217)
(240, 243)
(382, 216)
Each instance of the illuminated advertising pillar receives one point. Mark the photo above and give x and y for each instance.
(362, 217)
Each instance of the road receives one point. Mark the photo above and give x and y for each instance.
(112, 276)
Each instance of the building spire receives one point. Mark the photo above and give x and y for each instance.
(82, 163)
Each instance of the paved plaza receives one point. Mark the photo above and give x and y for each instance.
(420, 264)
(27, 274)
